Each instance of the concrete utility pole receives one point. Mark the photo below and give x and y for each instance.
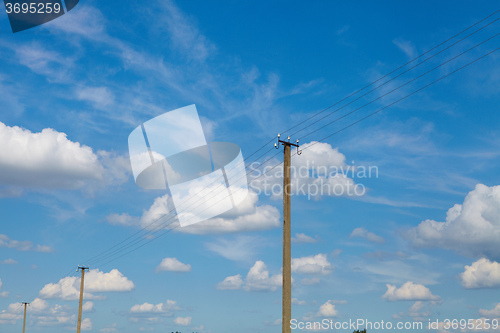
(79, 324)
(24, 321)
(287, 253)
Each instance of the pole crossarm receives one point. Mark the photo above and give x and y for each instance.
(287, 144)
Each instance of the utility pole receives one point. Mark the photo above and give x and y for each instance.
(79, 324)
(287, 253)
(24, 321)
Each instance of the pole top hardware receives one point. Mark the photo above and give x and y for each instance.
(287, 143)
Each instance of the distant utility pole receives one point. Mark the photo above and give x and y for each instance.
(79, 324)
(287, 253)
(24, 321)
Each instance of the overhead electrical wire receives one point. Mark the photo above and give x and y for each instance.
(399, 100)
(393, 78)
(402, 85)
(98, 258)
(392, 72)
(144, 228)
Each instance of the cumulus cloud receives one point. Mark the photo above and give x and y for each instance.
(41, 314)
(369, 236)
(481, 274)
(48, 159)
(257, 279)
(296, 301)
(239, 248)
(166, 308)
(9, 261)
(409, 291)
(493, 313)
(5, 241)
(86, 324)
(173, 265)
(183, 321)
(317, 264)
(39, 305)
(88, 306)
(303, 238)
(247, 216)
(327, 310)
(320, 171)
(68, 288)
(471, 229)
(231, 283)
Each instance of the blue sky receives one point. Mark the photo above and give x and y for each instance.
(420, 244)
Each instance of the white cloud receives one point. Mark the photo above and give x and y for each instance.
(407, 47)
(173, 265)
(43, 61)
(39, 305)
(166, 308)
(97, 281)
(41, 314)
(48, 159)
(86, 324)
(311, 281)
(317, 264)
(258, 279)
(327, 310)
(184, 35)
(303, 238)
(481, 274)
(493, 313)
(9, 261)
(415, 312)
(471, 229)
(183, 321)
(231, 283)
(100, 97)
(5, 241)
(319, 171)
(45, 159)
(88, 23)
(409, 291)
(240, 248)
(296, 301)
(3, 294)
(68, 288)
(9, 318)
(88, 306)
(247, 216)
(370, 236)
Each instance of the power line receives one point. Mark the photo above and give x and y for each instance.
(104, 255)
(393, 71)
(401, 99)
(394, 78)
(401, 86)
(163, 224)
(315, 115)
